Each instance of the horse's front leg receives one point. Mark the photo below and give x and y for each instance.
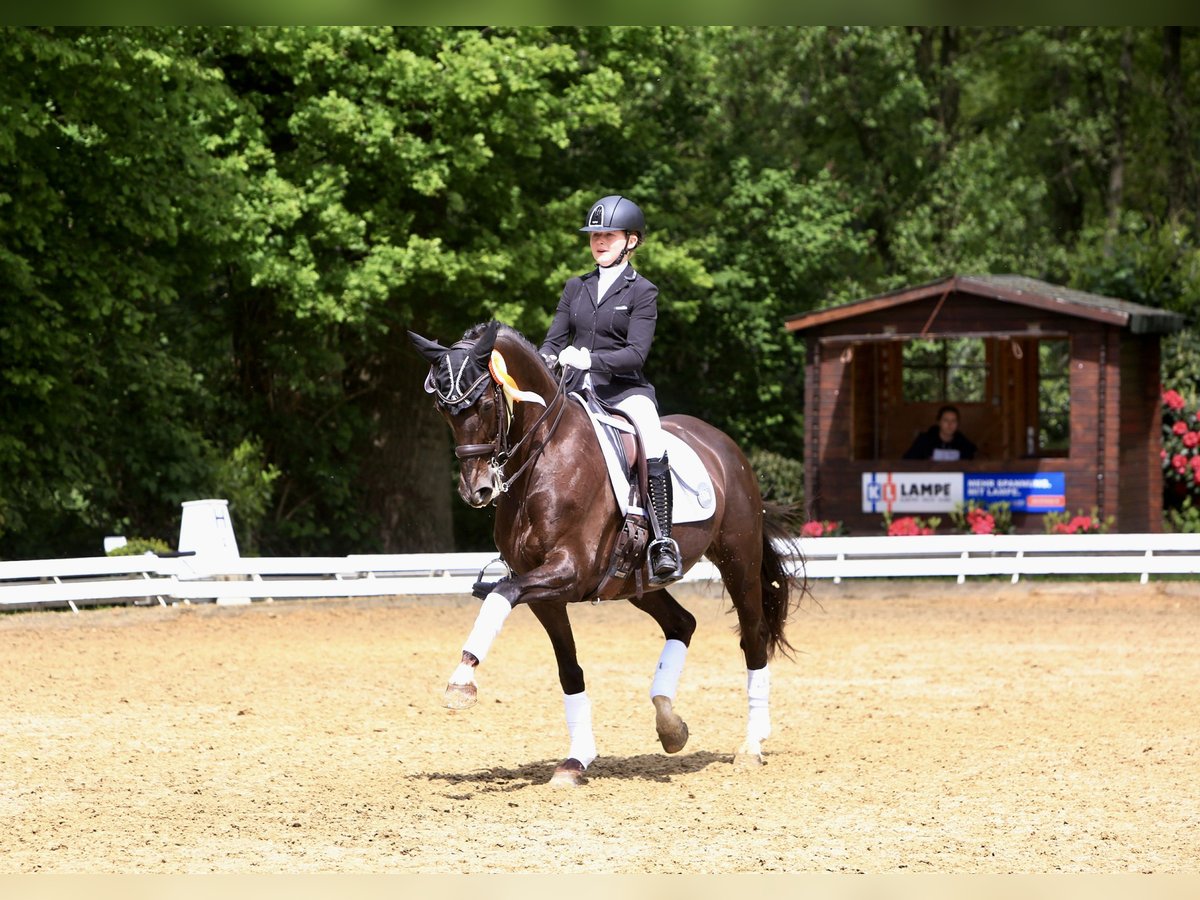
(576, 705)
(549, 581)
(461, 692)
(547, 589)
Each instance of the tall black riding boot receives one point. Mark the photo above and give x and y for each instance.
(665, 562)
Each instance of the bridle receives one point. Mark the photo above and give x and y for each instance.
(500, 449)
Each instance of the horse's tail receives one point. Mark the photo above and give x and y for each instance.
(781, 590)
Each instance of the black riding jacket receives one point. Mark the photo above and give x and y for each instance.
(617, 331)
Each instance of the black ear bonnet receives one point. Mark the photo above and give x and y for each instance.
(458, 375)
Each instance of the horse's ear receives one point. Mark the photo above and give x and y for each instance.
(431, 350)
(482, 351)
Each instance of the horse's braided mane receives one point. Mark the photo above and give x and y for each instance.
(474, 332)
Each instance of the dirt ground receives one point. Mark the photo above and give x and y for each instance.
(923, 727)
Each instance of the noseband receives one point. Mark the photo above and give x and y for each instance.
(499, 449)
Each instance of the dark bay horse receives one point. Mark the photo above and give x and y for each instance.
(529, 449)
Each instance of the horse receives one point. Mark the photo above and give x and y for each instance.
(527, 448)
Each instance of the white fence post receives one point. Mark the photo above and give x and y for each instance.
(206, 530)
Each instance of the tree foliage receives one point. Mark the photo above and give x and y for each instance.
(214, 239)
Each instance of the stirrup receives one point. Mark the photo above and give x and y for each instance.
(660, 548)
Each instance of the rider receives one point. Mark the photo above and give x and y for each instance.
(604, 326)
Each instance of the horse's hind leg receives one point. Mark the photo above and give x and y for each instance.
(576, 704)
(677, 625)
(743, 581)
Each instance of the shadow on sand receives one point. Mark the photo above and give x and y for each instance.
(645, 767)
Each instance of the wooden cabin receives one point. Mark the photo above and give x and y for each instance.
(1058, 388)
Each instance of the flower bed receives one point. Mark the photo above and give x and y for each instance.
(822, 528)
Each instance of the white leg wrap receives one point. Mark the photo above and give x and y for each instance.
(492, 613)
(463, 674)
(758, 691)
(670, 667)
(579, 726)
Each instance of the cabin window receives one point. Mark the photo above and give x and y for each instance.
(952, 370)
(1054, 397)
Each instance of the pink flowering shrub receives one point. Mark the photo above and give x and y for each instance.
(909, 525)
(973, 518)
(1065, 523)
(822, 528)
(1181, 449)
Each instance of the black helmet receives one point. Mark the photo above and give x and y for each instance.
(615, 213)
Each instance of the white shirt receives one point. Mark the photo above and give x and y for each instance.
(607, 277)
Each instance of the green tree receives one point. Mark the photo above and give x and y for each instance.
(402, 184)
(214, 239)
(102, 136)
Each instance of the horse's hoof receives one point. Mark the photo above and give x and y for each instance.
(674, 740)
(748, 761)
(460, 696)
(569, 773)
(672, 730)
(749, 756)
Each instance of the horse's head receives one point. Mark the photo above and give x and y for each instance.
(470, 391)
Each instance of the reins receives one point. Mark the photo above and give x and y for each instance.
(499, 449)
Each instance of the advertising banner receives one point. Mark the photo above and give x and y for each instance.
(940, 492)
(1031, 492)
(911, 492)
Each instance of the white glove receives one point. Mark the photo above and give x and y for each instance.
(576, 358)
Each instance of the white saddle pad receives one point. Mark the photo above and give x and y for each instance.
(693, 499)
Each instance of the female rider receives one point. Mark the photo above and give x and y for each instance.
(604, 326)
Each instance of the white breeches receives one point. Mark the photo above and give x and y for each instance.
(641, 409)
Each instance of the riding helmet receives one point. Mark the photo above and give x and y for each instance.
(615, 213)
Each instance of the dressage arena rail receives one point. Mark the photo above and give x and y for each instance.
(149, 579)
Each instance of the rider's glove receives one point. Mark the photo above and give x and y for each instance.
(576, 358)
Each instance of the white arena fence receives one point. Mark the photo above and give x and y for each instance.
(199, 578)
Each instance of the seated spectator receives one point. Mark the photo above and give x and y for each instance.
(942, 441)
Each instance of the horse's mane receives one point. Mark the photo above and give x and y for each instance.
(475, 331)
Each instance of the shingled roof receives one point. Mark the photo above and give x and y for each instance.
(1017, 289)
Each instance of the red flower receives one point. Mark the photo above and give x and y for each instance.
(1179, 462)
(1191, 439)
(1179, 427)
(984, 524)
(1163, 454)
(812, 529)
(903, 527)
(1080, 523)
(1172, 399)
(1194, 462)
